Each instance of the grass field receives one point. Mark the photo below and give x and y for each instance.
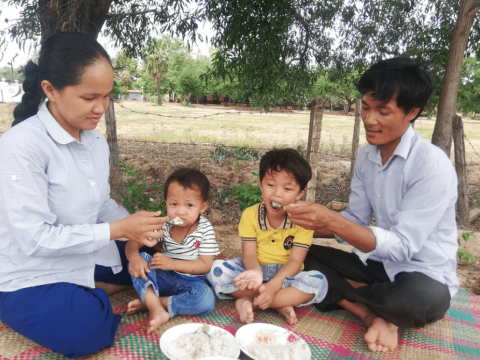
(243, 128)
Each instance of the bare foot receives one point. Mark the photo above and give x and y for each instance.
(289, 314)
(157, 318)
(245, 309)
(381, 335)
(135, 306)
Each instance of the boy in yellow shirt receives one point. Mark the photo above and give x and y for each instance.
(269, 273)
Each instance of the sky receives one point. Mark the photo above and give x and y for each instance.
(11, 13)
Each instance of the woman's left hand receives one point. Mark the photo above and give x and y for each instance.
(139, 227)
(162, 261)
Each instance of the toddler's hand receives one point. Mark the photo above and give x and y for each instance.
(250, 279)
(138, 267)
(161, 261)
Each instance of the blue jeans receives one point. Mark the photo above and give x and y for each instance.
(187, 295)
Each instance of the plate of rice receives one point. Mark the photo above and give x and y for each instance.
(266, 342)
(198, 341)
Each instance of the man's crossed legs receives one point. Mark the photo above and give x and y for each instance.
(410, 301)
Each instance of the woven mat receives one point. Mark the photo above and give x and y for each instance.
(332, 335)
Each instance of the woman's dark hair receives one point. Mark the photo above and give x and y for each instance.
(401, 76)
(63, 60)
(288, 160)
(189, 179)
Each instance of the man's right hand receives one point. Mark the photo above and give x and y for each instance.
(308, 215)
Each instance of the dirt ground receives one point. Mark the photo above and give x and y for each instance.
(160, 159)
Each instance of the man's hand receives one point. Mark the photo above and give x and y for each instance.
(250, 279)
(162, 261)
(138, 267)
(308, 215)
(267, 293)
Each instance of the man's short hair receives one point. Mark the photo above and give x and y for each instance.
(288, 160)
(401, 76)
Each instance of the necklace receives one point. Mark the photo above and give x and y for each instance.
(187, 229)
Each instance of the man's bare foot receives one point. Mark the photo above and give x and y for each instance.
(289, 313)
(135, 306)
(245, 309)
(156, 318)
(381, 335)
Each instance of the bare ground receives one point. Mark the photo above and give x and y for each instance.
(160, 159)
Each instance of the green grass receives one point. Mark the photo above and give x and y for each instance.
(245, 128)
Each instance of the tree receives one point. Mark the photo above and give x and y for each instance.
(155, 62)
(469, 90)
(443, 131)
(11, 74)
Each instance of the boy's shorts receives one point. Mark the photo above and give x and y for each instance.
(223, 272)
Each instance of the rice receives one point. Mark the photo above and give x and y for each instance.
(270, 345)
(200, 344)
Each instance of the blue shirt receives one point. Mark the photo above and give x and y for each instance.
(55, 205)
(413, 200)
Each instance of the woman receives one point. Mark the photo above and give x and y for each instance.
(56, 214)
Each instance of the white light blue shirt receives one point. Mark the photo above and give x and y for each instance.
(413, 199)
(55, 205)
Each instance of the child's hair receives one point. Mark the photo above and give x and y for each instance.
(191, 179)
(288, 160)
(63, 59)
(401, 76)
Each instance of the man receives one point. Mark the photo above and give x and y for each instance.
(402, 271)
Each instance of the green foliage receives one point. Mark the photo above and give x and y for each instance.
(246, 194)
(12, 74)
(136, 198)
(464, 254)
(220, 154)
(469, 90)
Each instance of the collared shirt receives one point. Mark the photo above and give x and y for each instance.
(55, 205)
(274, 246)
(413, 200)
(200, 242)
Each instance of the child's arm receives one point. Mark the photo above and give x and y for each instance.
(291, 268)
(136, 264)
(252, 277)
(201, 265)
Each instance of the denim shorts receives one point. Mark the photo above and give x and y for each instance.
(187, 295)
(223, 272)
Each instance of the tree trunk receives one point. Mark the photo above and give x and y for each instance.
(87, 16)
(313, 147)
(442, 134)
(116, 177)
(159, 98)
(460, 166)
(355, 139)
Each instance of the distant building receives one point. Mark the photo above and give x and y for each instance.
(134, 94)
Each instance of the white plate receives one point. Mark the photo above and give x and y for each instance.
(246, 336)
(172, 334)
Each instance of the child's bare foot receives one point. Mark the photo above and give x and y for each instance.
(156, 318)
(381, 335)
(289, 313)
(245, 309)
(135, 306)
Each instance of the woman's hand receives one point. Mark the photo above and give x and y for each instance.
(139, 227)
(138, 267)
(162, 261)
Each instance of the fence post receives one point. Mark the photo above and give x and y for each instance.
(355, 140)
(460, 166)
(313, 147)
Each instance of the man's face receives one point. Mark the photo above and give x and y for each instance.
(385, 123)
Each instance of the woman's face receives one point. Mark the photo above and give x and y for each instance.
(80, 107)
